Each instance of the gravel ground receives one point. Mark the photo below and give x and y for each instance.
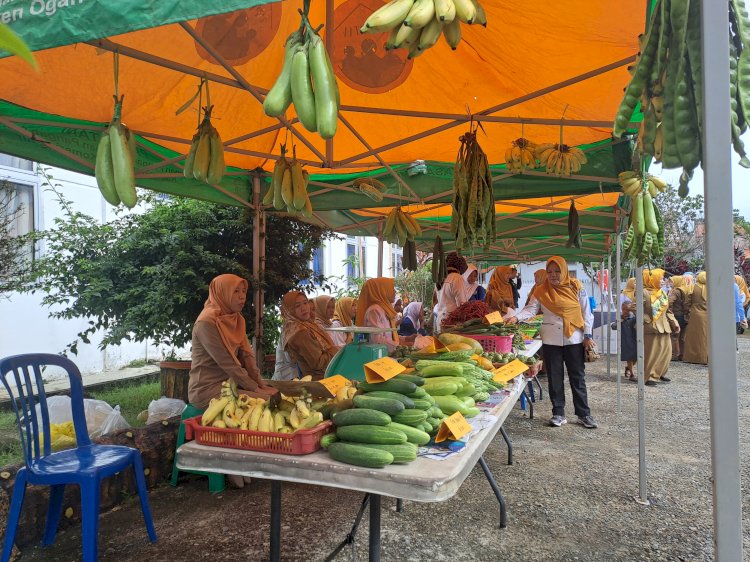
(569, 494)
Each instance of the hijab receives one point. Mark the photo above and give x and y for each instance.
(629, 290)
(343, 313)
(499, 289)
(379, 291)
(562, 299)
(740, 280)
(321, 305)
(293, 325)
(414, 311)
(470, 288)
(456, 263)
(216, 311)
(540, 276)
(689, 283)
(659, 301)
(677, 281)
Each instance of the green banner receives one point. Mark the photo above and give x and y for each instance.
(43, 24)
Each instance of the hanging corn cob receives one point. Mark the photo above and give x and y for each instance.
(644, 240)
(205, 160)
(473, 216)
(371, 187)
(115, 161)
(400, 227)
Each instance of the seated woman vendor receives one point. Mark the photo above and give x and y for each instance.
(306, 345)
(221, 349)
(375, 310)
(412, 323)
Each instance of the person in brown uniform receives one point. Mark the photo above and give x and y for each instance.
(658, 324)
(677, 297)
(221, 349)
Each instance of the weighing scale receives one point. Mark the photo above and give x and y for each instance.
(350, 360)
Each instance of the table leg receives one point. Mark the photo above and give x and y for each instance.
(530, 403)
(496, 490)
(507, 442)
(374, 528)
(399, 505)
(353, 533)
(541, 392)
(530, 388)
(275, 520)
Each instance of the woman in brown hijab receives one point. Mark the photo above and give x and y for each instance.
(325, 306)
(221, 349)
(499, 292)
(696, 338)
(658, 325)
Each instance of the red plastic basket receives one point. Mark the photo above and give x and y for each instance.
(500, 344)
(301, 442)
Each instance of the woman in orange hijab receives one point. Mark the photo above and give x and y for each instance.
(658, 325)
(304, 347)
(221, 349)
(375, 310)
(540, 276)
(566, 334)
(343, 317)
(499, 292)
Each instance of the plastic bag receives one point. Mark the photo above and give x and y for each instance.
(164, 408)
(101, 418)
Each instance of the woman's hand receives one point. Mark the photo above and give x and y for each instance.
(511, 320)
(266, 389)
(588, 343)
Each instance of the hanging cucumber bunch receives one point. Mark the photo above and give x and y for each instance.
(288, 189)
(115, 161)
(644, 240)
(307, 80)
(667, 81)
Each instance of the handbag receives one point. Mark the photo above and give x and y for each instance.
(591, 354)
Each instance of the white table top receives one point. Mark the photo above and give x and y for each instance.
(531, 348)
(425, 479)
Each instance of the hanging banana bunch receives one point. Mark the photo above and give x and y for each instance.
(417, 25)
(644, 240)
(520, 155)
(560, 159)
(205, 160)
(288, 189)
(115, 161)
(400, 227)
(307, 80)
(371, 187)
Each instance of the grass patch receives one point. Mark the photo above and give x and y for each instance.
(135, 363)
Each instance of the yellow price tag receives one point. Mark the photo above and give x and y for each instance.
(509, 371)
(453, 427)
(494, 318)
(382, 369)
(334, 384)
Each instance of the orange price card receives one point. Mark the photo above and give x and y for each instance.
(509, 371)
(382, 369)
(334, 384)
(453, 427)
(494, 318)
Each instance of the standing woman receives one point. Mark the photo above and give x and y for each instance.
(499, 292)
(658, 325)
(343, 316)
(696, 338)
(375, 310)
(221, 349)
(566, 334)
(304, 347)
(474, 290)
(453, 292)
(677, 306)
(325, 306)
(628, 336)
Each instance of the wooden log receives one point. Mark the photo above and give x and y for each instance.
(175, 376)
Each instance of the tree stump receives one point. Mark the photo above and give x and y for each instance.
(175, 376)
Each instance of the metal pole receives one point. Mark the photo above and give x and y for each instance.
(642, 495)
(609, 319)
(380, 250)
(722, 380)
(618, 309)
(259, 235)
(601, 304)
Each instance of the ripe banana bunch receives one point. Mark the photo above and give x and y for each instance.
(115, 162)
(205, 161)
(371, 187)
(417, 25)
(560, 159)
(308, 81)
(345, 392)
(400, 227)
(520, 155)
(288, 189)
(644, 239)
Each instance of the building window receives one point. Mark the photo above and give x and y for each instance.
(351, 254)
(397, 253)
(15, 162)
(318, 264)
(17, 204)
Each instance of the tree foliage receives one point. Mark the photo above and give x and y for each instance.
(683, 246)
(147, 275)
(14, 260)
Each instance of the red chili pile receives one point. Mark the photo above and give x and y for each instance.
(467, 311)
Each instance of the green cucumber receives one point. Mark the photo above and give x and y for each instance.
(416, 379)
(402, 453)
(359, 455)
(413, 435)
(408, 402)
(390, 407)
(392, 385)
(442, 371)
(422, 404)
(361, 416)
(410, 416)
(326, 440)
(385, 435)
(419, 393)
(442, 389)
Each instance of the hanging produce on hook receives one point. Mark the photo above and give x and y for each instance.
(205, 161)
(644, 240)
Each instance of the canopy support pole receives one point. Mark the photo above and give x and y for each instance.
(722, 379)
(642, 493)
(618, 309)
(259, 262)
(380, 250)
(601, 305)
(609, 316)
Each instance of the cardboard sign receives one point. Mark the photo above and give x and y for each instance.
(509, 371)
(382, 369)
(334, 384)
(453, 427)
(494, 318)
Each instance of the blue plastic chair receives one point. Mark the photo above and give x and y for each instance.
(86, 465)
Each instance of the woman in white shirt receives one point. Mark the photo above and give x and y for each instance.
(453, 292)
(566, 333)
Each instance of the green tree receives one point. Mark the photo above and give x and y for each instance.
(683, 227)
(14, 258)
(146, 275)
